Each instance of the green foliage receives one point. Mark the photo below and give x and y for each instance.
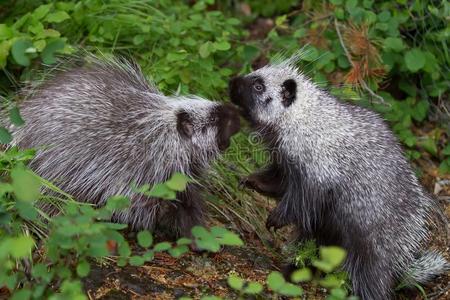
(331, 258)
(73, 239)
(166, 190)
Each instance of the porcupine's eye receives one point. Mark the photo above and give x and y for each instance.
(258, 85)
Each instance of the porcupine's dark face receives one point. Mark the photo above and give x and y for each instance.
(210, 128)
(265, 94)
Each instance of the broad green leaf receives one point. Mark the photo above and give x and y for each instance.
(21, 246)
(231, 239)
(291, 290)
(253, 288)
(19, 51)
(429, 145)
(162, 191)
(222, 46)
(117, 203)
(145, 239)
(331, 281)
(4, 53)
(53, 47)
(15, 117)
(333, 255)
(205, 49)
(83, 268)
(415, 60)
(178, 250)
(301, 275)
(275, 281)
(235, 282)
(57, 17)
(5, 32)
(26, 210)
(22, 294)
(446, 150)
(310, 53)
(5, 136)
(394, 43)
(136, 260)
(184, 241)
(177, 182)
(163, 246)
(26, 184)
(42, 11)
(323, 265)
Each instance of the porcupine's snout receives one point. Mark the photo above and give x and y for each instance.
(228, 124)
(240, 91)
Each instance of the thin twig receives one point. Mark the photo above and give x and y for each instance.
(349, 58)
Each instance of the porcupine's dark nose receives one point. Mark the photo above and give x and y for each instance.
(235, 89)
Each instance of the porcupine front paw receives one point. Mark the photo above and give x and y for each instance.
(274, 221)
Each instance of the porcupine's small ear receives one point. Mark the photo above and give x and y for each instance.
(288, 92)
(184, 124)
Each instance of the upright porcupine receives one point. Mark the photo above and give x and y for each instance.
(340, 177)
(99, 127)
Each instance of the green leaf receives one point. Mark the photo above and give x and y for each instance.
(21, 246)
(291, 290)
(322, 265)
(420, 111)
(83, 268)
(145, 239)
(57, 17)
(205, 49)
(394, 43)
(162, 191)
(15, 117)
(275, 281)
(22, 294)
(178, 250)
(178, 182)
(235, 282)
(19, 51)
(231, 239)
(335, 256)
(429, 145)
(137, 260)
(5, 136)
(184, 241)
(116, 203)
(222, 46)
(5, 32)
(415, 59)
(48, 54)
(41, 11)
(163, 246)
(301, 275)
(253, 288)
(350, 5)
(331, 281)
(26, 184)
(446, 150)
(310, 53)
(26, 210)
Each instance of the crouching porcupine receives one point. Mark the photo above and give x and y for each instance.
(100, 126)
(340, 177)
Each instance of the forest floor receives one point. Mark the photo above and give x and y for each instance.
(196, 274)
